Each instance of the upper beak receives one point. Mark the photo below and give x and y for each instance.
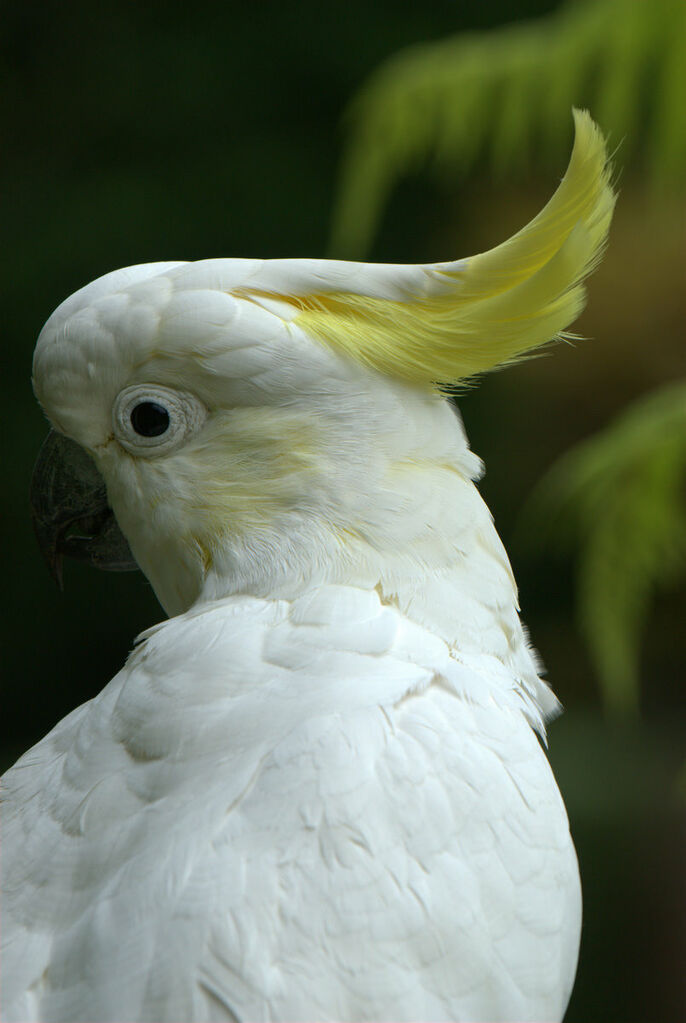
(70, 511)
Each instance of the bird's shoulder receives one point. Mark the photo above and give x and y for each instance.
(264, 786)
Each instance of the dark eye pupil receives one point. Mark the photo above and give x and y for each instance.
(149, 419)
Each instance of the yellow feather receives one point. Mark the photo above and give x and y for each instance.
(491, 308)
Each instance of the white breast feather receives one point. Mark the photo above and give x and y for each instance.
(285, 810)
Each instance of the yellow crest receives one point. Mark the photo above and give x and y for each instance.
(473, 314)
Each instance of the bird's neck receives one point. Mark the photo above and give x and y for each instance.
(430, 549)
(449, 573)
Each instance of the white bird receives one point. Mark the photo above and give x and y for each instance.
(316, 792)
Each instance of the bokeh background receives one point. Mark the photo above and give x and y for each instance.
(166, 130)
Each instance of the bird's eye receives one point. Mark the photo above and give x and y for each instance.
(151, 420)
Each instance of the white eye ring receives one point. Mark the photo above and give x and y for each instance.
(173, 415)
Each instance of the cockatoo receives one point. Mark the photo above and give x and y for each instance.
(316, 791)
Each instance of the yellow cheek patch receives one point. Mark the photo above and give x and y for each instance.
(491, 308)
(257, 464)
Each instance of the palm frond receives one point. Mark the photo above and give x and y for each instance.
(504, 97)
(619, 497)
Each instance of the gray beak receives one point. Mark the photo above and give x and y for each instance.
(70, 511)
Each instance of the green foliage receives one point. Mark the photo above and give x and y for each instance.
(619, 499)
(505, 97)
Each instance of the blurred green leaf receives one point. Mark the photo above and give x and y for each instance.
(505, 96)
(618, 498)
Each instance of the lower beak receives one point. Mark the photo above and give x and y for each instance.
(70, 512)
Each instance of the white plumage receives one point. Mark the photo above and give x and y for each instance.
(291, 810)
(316, 792)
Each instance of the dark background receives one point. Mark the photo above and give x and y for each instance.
(137, 132)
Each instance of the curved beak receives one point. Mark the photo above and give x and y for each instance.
(70, 512)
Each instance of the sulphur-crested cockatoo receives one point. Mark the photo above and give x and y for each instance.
(316, 792)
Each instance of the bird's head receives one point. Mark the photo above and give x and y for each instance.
(254, 420)
(231, 444)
